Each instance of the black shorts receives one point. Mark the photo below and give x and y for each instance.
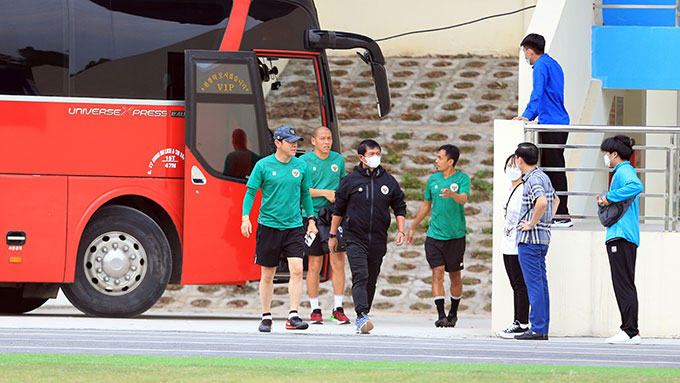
(316, 249)
(447, 253)
(272, 244)
(320, 247)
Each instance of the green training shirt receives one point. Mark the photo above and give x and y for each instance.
(324, 174)
(283, 187)
(448, 216)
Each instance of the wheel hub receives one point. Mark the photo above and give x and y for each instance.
(115, 263)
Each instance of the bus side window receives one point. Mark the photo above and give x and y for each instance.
(33, 49)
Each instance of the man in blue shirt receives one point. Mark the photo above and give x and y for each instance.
(547, 103)
(623, 237)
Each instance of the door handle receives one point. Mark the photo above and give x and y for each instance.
(197, 177)
(16, 238)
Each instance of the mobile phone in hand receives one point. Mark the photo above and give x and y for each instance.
(309, 239)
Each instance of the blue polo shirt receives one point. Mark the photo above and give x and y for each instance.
(625, 184)
(547, 97)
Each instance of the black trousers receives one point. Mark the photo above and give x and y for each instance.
(554, 158)
(519, 289)
(364, 262)
(622, 256)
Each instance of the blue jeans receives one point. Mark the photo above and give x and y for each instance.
(532, 261)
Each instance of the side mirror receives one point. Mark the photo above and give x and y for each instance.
(317, 39)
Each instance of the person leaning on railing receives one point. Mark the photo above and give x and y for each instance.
(547, 103)
(623, 237)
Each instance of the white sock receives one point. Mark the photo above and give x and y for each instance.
(293, 314)
(267, 316)
(337, 298)
(314, 303)
(522, 325)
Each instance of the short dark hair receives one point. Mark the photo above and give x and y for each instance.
(367, 144)
(535, 42)
(623, 145)
(528, 152)
(511, 157)
(451, 151)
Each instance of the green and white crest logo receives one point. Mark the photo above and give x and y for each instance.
(454, 187)
(334, 168)
(296, 173)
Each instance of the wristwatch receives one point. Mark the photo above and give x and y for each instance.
(311, 218)
(332, 235)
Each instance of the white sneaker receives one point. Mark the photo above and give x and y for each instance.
(623, 338)
(515, 328)
(563, 223)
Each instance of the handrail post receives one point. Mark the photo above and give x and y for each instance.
(674, 181)
(669, 192)
(677, 11)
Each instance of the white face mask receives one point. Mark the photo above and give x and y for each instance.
(607, 161)
(513, 174)
(373, 162)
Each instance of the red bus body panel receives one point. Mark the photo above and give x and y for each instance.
(35, 205)
(215, 252)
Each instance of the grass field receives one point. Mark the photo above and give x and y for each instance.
(138, 369)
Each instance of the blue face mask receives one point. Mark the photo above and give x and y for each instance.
(527, 60)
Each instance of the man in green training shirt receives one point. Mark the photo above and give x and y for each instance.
(285, 184)
(445, 194)
(326, 168)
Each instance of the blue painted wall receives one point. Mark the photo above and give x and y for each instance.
(640, 17)
(626, 57)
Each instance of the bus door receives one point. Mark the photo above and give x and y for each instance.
(226, 134)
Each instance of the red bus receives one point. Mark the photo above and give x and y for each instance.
(128, 132)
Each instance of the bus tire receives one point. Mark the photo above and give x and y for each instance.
(11, 301)
(123, 265)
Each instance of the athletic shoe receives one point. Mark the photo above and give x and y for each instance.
(339, 316)
(623, 338)
(364, 324)
(442, 322)
(530, 335)
(514, 329)
(562, 223)
(295, 323)
(452, 321)
(316, 317)
(265, 325)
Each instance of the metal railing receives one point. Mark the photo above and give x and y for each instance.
(671, 172)
(676, 7)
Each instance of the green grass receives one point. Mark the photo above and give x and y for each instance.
(140, 369)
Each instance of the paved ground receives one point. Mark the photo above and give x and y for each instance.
(396, 338)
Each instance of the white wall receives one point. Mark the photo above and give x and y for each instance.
(382, 18)
(582, 301)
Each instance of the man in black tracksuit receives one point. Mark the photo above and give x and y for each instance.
(362, 203)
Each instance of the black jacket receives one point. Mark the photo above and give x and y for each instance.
(363, 199)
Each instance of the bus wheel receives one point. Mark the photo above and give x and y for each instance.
(11, 301)
(123, 266)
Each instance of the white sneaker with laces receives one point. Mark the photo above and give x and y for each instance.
(623, 338)
(515, 328)
(562, 223)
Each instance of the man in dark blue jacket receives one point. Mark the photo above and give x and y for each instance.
(362, 203)
(547, 103)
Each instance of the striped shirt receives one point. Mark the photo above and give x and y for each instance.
(536, 184)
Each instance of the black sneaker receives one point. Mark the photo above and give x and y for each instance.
(295, 323)
(530, 335)
(452, 321)
(514, 329)
(442, 322)
(265, 325)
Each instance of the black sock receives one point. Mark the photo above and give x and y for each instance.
(454, 307)
(439, 302)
